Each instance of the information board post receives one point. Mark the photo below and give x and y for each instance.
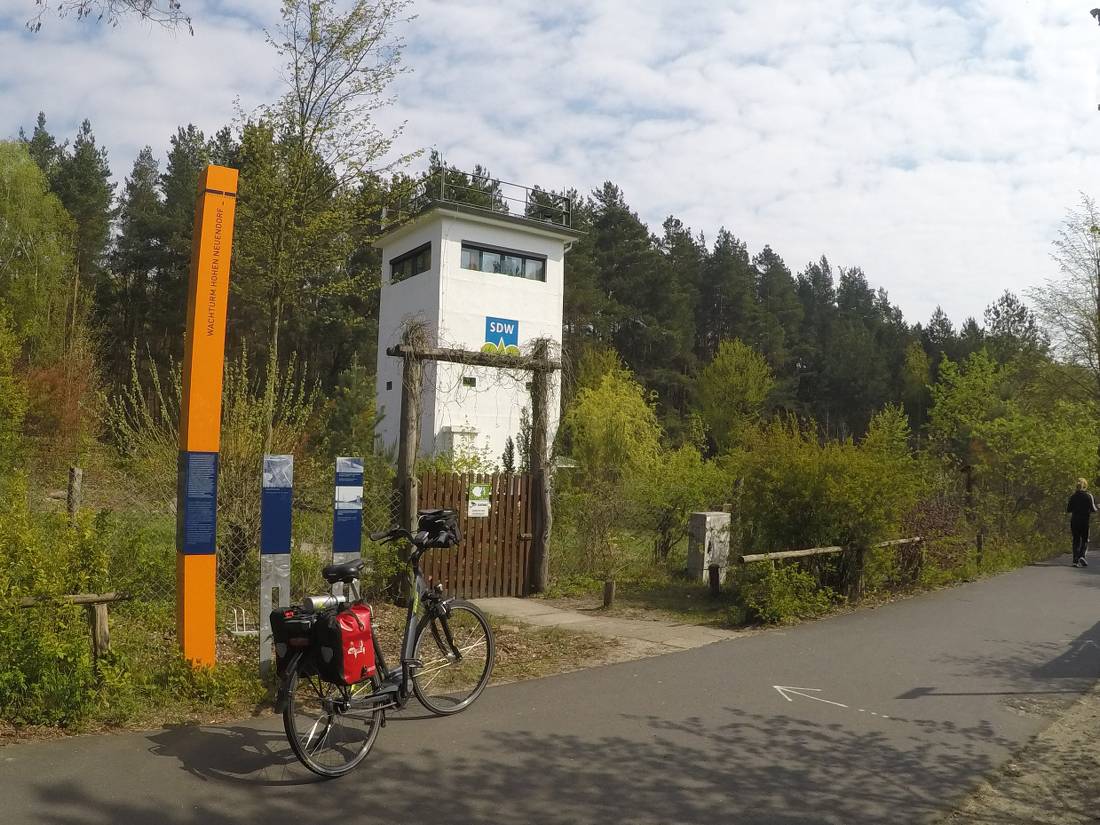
(276, 500)
(347, 512)
(200, 414)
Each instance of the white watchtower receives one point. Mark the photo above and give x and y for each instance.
(480, 278)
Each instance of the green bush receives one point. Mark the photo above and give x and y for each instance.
(46, 672)
(784, 594)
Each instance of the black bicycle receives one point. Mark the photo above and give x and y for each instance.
(447, 656)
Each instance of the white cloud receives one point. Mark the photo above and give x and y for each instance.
(934, 144)
(136, 82)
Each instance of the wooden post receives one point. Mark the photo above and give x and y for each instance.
(101, 634)
(714, 580)
(968, 500)
(72, 501)
(608, 593)
(979, 543)
(408, 445)
(855, 582)
(408, 442)
(539, 569)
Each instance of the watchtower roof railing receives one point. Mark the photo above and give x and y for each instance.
(446, 187)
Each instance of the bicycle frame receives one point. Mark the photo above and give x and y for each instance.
(396, 688)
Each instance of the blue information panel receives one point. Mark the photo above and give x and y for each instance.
(275, 504)
(347, 508)
(197, 500)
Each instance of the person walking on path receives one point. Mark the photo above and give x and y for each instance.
(1081, 505)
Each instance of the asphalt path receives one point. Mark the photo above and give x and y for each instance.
(913, 703)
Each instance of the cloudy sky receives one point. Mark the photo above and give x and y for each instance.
(934, 143)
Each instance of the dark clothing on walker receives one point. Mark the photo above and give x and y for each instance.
(1081, 505)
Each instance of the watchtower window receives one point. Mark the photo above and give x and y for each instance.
(503, 262)
(411, 263)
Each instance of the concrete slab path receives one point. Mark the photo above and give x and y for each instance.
(659, 636)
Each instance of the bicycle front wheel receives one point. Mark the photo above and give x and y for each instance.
(329, 728)
(455, 655)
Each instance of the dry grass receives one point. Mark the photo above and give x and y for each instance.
(523, 651)
(664, 598)
(1052, 781)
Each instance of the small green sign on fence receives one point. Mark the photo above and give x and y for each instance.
(477, 506)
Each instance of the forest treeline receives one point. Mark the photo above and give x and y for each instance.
(665, 301)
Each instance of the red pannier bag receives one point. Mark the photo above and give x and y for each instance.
(344, 646)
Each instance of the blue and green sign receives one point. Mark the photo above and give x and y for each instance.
(501, 336)
(347, 513)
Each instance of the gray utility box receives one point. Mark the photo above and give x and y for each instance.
(708, 543)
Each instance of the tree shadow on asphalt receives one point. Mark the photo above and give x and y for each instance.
(241, 753)
(1056, 666)
(739, 768)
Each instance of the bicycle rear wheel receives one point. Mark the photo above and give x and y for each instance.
(449, 678)
(329, 729)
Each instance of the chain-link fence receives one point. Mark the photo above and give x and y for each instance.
(136, 522)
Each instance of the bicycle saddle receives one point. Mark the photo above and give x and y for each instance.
(346, 572)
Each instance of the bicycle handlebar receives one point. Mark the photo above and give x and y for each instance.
(392, 535)
(420, 540)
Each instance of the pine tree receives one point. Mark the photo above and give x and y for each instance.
(223, 149)
(776, 335)
(817, 295)
(43, 147)
(188, 156)
(940, 338)
(584, 318)
(971, 338)
(648, 307)
(1012, 329)
(916, 376)
(727, 304)
(83, 184)
(129, 301)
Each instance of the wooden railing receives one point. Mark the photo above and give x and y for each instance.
(858, 554)
(96, 606)
(820, 551)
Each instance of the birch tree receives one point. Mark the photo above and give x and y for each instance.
(1069, 304)
(305, 156)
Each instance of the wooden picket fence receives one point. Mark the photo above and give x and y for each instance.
(494, 555)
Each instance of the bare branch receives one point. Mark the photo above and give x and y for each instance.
(167, 13)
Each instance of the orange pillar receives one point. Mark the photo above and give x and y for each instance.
(200, 415)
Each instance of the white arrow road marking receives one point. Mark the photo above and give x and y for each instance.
(786, 691)
(799, 691)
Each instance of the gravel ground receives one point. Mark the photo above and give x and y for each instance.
(1055, 779)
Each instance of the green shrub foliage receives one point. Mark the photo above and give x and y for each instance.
(784, 594)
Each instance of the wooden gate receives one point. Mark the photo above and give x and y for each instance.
(493, 556)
